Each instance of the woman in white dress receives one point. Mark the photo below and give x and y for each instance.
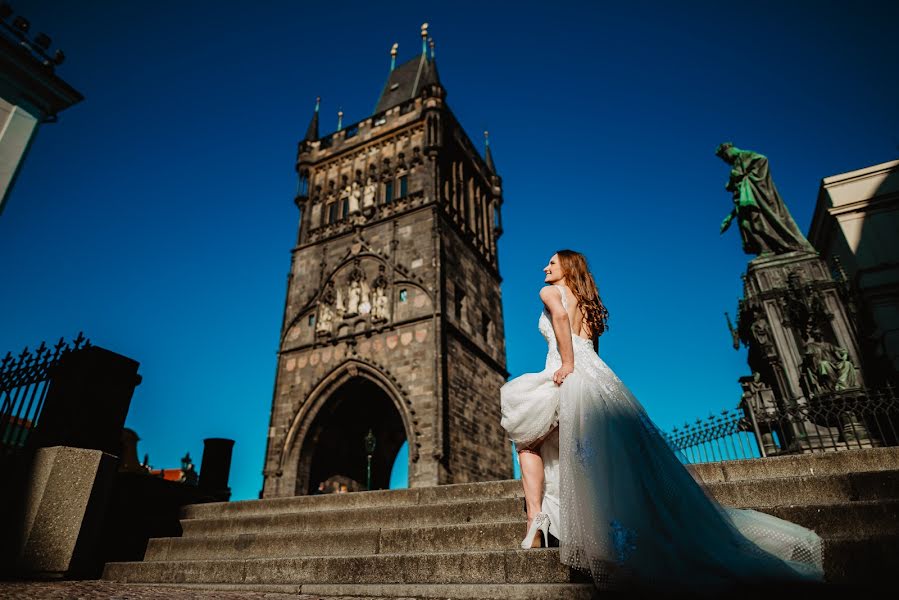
(599, 475)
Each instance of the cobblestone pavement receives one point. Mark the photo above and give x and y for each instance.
(107, 590)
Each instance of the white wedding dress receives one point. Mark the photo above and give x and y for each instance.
(619, 499)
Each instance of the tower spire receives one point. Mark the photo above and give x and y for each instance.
(424, 39)
(488, 156)
(393, 50)
(312, 131)
(431, 43)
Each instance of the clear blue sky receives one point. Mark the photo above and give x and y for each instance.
(157, 215)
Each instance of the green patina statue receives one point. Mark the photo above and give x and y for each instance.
(765, 223)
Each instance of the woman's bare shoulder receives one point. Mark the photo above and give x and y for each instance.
(550, 292)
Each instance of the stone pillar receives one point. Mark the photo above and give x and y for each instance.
(64, 502)
(793, 313)
(87, 402)
(215, 467)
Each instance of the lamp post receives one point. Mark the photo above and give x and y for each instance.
(369, 449)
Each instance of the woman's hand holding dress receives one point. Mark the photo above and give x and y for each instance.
(552, 298)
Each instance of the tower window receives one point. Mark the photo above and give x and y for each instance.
(345, 208)
(404, 186)
(485, 325)
(459, 299)
(388, 192)
(404, 295)
(303, 185)
(311, 320)
(332, 212)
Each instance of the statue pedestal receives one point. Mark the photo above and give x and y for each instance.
(803, 345)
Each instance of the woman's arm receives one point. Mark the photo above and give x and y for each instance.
(552, 299)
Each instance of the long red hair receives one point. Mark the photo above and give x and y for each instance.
(583, 286)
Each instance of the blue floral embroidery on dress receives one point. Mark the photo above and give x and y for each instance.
(584, 451)
(623, 540)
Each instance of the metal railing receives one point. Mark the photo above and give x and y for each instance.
(24, 381)
(726, 436)
(848, 419)
(845, 420)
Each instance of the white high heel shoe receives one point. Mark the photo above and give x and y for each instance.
(540, 523)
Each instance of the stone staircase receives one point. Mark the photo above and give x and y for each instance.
(461, 541)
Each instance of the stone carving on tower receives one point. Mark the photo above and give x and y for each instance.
(399, 220)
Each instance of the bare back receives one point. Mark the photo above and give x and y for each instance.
(575, 316)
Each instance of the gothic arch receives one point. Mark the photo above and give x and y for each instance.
(322, 391)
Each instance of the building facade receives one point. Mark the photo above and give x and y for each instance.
(856, 223)
(393, 320)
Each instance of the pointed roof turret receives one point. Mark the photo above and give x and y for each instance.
(407, 80)
(488, 155)
(312, 131)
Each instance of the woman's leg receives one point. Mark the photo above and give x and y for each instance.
(532, 480)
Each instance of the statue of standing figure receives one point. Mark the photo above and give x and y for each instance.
(765, 223)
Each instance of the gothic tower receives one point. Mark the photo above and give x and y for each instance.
(393, 321)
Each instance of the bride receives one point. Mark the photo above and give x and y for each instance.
(600, 477)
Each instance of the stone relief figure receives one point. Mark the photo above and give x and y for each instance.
(357, 292)
(354, 296)
(766, 225)
(827, 367)
(845, 373)
(325, 320)
(379, 309)
(355, 194)
(816, 366)
(339, 305)
(762, 334)
(365, 299)
(368, 193)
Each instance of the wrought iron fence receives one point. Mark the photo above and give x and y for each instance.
(848, 419)
(844, 420)
(24, 381)
(726, 436)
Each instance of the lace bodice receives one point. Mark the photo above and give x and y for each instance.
(584, 355)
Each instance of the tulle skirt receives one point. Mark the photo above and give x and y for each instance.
(626, 509)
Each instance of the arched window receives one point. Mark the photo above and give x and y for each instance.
(303, 184)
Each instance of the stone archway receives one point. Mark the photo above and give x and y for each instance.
(333, 449)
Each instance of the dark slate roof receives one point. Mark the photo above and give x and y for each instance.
(312, 131)
(488, 158)
(405, 81)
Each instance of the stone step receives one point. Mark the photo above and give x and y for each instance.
(462, 492)
(508, 566)
(759, 471)
(807, 489)
(868, 560)
(348, 542)
(827, 463)
(417, 591)
(828, 520)
(427, 515)
(796, 491)
(854, 520)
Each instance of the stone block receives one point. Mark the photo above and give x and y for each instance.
(65, 500)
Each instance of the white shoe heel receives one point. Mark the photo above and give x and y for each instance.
(540, 523)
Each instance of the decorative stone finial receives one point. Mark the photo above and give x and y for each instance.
(393, 51)
(339, 120)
